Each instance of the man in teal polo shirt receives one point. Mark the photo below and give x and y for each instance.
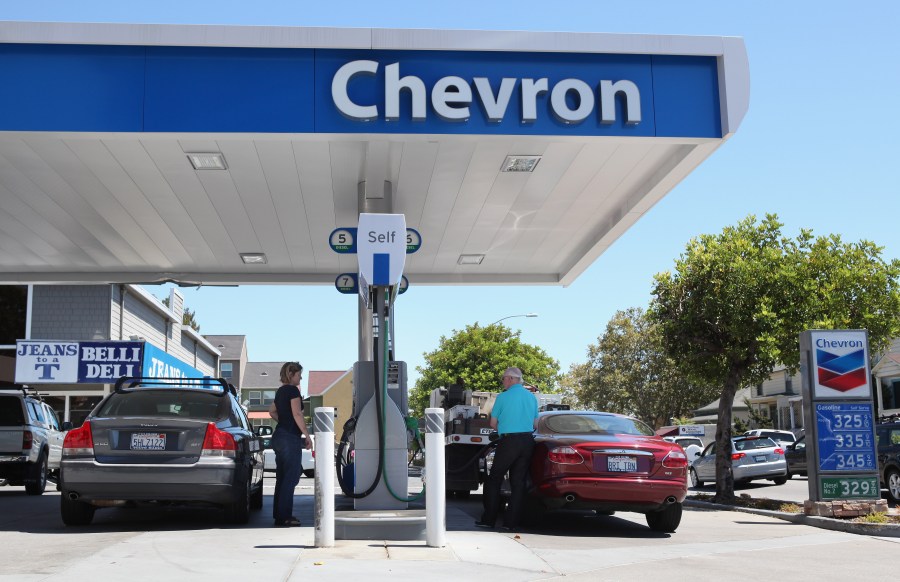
(514, 416)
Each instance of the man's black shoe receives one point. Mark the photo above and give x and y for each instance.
(483, 524)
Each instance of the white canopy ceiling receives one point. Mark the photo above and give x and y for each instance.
(129, 207)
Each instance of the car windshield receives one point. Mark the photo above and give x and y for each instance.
(753, 443)
(596, 424)
(165, 402)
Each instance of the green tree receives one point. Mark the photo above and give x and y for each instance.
(737, 302)
(478, 355)
(629, 372)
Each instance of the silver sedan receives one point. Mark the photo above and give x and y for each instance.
(752, 458)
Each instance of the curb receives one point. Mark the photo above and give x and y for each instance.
(890, 530)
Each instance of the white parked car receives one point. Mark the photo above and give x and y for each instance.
(308, 461)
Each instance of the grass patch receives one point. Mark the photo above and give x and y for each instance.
(878, 517)
(744, 500)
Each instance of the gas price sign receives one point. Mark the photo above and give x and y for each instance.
(846, 440)
(850, 487)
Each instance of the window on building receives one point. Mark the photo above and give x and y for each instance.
(788, 384)
(890, 393)
(13, 306)
(227, 369)
(759, 389)
(261, 397)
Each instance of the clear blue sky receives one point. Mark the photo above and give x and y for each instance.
(819, 148)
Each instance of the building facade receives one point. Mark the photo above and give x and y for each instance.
(101, 314)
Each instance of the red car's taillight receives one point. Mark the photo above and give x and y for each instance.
(218, 443)
(565, 456)
(27, 440)
(675, 460)
(779, 451)
(737, 456)
(79, 441)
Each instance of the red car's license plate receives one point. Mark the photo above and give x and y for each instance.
(621, 464)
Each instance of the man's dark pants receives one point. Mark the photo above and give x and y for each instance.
(513, 454)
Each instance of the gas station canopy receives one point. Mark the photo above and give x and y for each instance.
(229, 154)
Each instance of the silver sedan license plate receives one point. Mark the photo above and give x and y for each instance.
(148, 441)
(621, 464)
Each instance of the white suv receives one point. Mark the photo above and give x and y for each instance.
(30, 441)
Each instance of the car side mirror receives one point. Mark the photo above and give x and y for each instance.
(264, 430)
(696, 454)
(66, 426)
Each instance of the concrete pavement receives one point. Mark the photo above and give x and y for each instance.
(193, 544)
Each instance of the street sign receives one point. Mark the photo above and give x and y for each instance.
(413, 241)
(343, 240)
(346, 283)
(381, 248)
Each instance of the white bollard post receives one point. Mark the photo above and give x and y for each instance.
(323, 426)
(435, 483)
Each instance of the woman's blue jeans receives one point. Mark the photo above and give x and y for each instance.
(288, 466)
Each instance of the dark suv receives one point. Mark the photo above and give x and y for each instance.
(887, 436)
(163, 441)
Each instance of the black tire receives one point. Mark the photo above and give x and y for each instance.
(36, 481)
(695, 481)
(892, 481)
(238, 512)
(667, 520)
(780, 480)
(75, 512)
(256, 498)
(309, 473)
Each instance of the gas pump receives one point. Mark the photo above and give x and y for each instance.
(372, 454)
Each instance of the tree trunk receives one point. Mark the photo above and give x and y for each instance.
(724, 476)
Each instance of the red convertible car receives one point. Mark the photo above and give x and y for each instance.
(607, 462)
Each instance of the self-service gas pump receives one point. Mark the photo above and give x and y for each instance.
(373, 454)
